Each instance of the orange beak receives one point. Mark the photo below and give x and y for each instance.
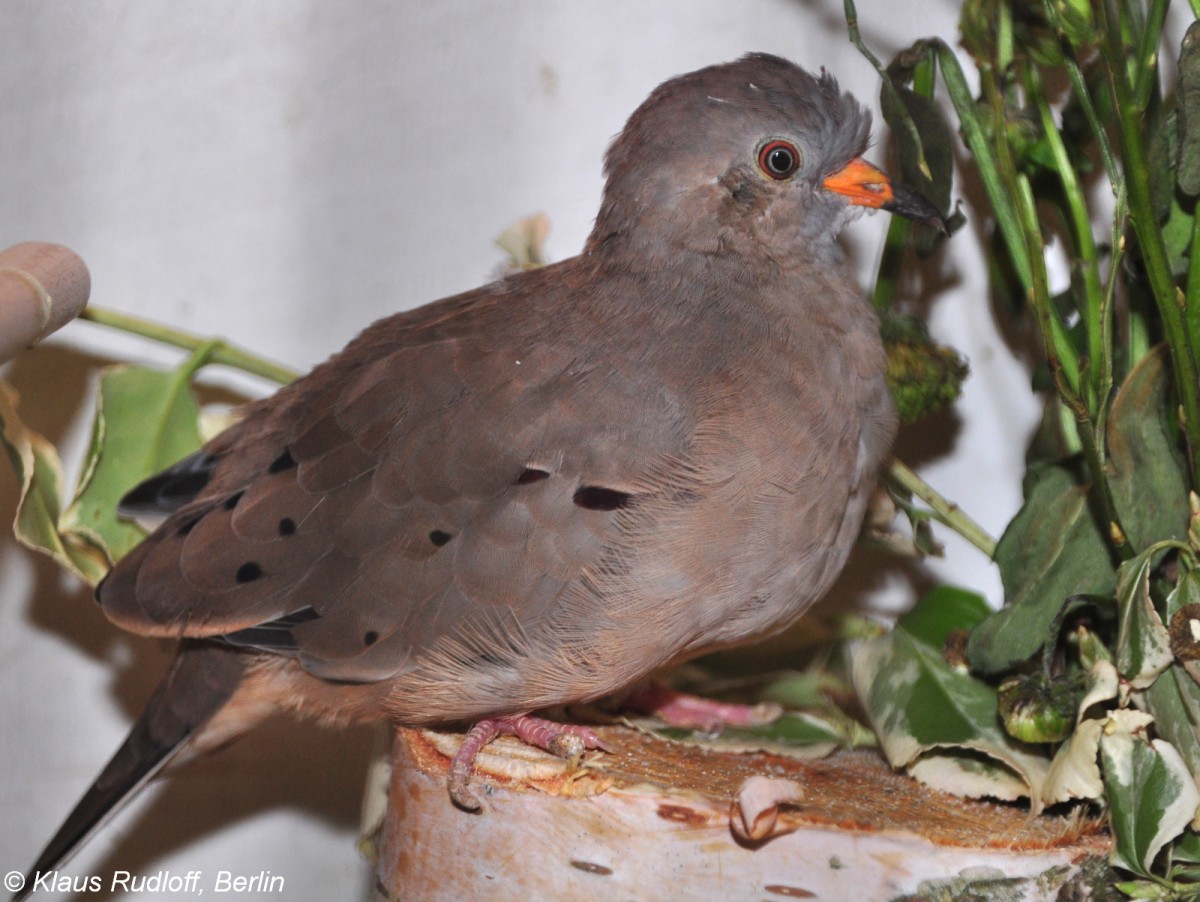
(862, 183)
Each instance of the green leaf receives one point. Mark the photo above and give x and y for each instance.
(1052, 550)
(901, 121)
(145, 421)
(941, 611)
(1151, 795)
(1143, 644)
(1187, 848)
(1161, 150)
(1174, 698)
(1145, 889)
(1184, 625)
(40, 477)
(793, 728)
(1146, 462)
(809, 688)
(1187, 99)
(796, 734)
(1092, 652)
(939, 723)
(926, 153)
(1177, 236)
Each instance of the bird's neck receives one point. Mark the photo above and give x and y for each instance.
(741, 267)
(663, 287)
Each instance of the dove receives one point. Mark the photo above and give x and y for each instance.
(538, 492)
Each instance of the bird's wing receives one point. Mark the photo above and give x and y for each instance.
(436, 479)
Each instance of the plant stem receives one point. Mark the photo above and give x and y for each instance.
(888, 277)
(1068, 427)
(981, 145)
(851, 15)
(1085, 245)
(1016, 217)
(1192, 299)
(1150, 239)
(1137, 329)
(1060, 353)
(1146, 64)
(1106, 314)
(1083, 95)
(1004, 44)
(944, 511)
(905, 120)
(220, 351)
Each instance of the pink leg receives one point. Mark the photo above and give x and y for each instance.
(682, 710)
(563, 740)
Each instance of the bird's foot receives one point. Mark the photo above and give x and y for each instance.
(564, 740)
(679, 709)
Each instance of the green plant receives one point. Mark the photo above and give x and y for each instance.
(145, 420)
(1090, 661)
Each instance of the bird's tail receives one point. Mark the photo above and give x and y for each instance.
(201, 682)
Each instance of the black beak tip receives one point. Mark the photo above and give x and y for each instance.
(910, 204)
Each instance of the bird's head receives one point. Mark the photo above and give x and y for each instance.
(755, 156)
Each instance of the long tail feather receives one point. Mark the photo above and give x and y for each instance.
(200, 683)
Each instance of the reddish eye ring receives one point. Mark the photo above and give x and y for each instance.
(779, 159)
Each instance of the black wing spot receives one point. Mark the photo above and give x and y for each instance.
(440, 537)
(598, 498)
(188, 526)
(531, 474)
(370, 638)
(249, 572)
(284, 461)
(287, 526)
(172, 488)
(232, 501)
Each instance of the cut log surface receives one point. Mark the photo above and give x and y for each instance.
(654, 819)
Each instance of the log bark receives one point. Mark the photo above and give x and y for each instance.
(654, 819)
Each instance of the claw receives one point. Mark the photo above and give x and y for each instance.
(567, 741)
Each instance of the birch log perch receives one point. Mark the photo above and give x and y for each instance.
(661, 820)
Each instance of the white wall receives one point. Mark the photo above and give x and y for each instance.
(283, 173)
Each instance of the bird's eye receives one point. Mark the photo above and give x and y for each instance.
(779, 159)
